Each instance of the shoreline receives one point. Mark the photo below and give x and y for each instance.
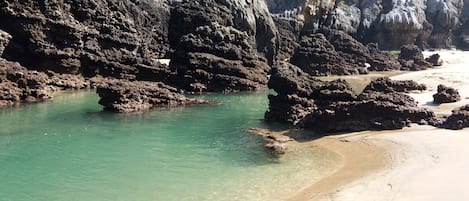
(416, 163)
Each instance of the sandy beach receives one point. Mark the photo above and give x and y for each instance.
(417, 163)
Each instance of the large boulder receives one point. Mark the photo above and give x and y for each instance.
(411, 58)
(124, 96)
(458, 120)
(446, 95)
(86, 36)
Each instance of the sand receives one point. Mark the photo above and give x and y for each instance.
(417, 163)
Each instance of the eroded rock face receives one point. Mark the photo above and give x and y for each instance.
(86, 36)
(330, 107)
(288, 33)
(446, 95)
(125, 96)
(222, 45)
(17, 84)
(332, 52)
(458, 120)
(435, 60)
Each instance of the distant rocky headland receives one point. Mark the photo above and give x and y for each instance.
(230, 46)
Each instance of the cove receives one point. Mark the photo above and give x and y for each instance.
(69, 149)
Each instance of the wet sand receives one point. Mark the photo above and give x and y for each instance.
(417, 163)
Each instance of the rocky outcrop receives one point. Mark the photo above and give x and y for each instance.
(435, 60)
(110, 38)
(125, 96)
(458, 120)
(386, 85)
(222, 46)
(332, 52)
(446, 95)
(17, 84)
(288, 33)
(4, 40)
(391, 24)
(330, 107)
(299, 93)
(411, 58)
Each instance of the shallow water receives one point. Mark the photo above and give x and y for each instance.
(69, 149)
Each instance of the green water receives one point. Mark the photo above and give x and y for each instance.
(70, 150)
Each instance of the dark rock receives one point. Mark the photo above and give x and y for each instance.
(446, 95)
(435, 60)
(4, 40)
(86, 36)
(289, 33)
(298, 93)
(125, 96)
(386, 85)
(411, 58)
(331, 52)
(458, 120)
(218, 59)
(363, 115)
(17, 84)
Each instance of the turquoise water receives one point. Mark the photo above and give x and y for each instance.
(70, 150)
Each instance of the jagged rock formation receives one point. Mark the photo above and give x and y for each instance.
(435, 60)
(386, 85)
(17, 84)
(221, 45)
(411, 58)
(306, 102)
(391, 24)
(110, 38)
(127, 96)
(446, 95)
(458, 120)
(288, 33)
(332, 52)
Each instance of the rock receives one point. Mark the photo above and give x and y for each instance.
(289, 33)
(299, 93)
(386, 85)
(17, 84)
(276, 143)
(446, 95)
(91, 37)
(330, 107)
(411, 58)
(363, 115)
(458, 120)
(4, 40)
(218, 59)
(332, 52)
(435, 60)
(125, 96)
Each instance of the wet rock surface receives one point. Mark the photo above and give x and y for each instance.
(458, 120)
(435, 60)
(446, 95)
(125, 96)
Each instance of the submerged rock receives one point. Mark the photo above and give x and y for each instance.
(275, 142)
(124, 96)
(446, 95)
(458, 120)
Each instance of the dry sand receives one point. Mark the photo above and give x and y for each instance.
(421, 163)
